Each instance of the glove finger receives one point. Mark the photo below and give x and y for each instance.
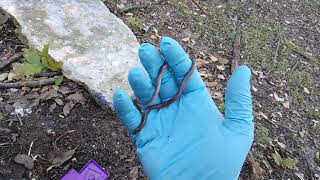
(141, 85)
(238, 102)
(151, 59)
(180, 63)
(126, 111)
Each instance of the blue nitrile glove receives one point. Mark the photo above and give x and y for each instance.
(190, 139)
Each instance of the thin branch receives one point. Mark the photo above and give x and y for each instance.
(236, 48)
(198, 5)
(48, 74)
(131, 8)
(301, 52)
(295, 65)
(137, 7)
(30, 147)
(19, 118)
(5, 144)
(5, 62)
(35, 83)
(276, 54)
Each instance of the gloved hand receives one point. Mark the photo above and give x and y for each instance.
(189, 139)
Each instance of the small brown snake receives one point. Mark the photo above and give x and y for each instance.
(156, 92)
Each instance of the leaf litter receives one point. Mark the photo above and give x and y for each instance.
(60, 157)
(24, 160)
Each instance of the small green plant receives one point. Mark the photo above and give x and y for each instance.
(135, 23)
(38, 62)
(284, 162)
(264, 137)
(162, 22)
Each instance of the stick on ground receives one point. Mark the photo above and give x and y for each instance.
(5, 62)
(35, 83)
(131, 8)
(276, 53)
(48, 74)
(236, 48)
(201, 9)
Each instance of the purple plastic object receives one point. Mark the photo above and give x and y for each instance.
(91, 171)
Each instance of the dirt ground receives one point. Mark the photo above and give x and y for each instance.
(280, 42)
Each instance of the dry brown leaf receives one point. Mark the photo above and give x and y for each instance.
(267, 164)
(12, 76)
(3, 76)
(213, 58)
(185, 39)
(286, 104)
(134, 173)
(52, 107)
(24, 160)
(256, 169)
(221, 67)
(61, 157)
(203, 74)
(64, 90)
(21, 103)
(78, 98)
(201, 62)
(195, 36)
(254, 88)
(47, 95)
(56, 88)
(217, 95)
(14, 137)
(67, 108)
(223, 61)
(302, 133)
(263, 115)
(45, 88)
(58, 101)
(220, 76)
(211, 84)
(275, 95)
(283, 146)
(51, 132)
(299, 175)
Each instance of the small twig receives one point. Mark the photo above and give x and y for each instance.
(35, 83)
(285, 127)
(277, 49)
(198, 5)
(5, 62)
(30, 147)
(4, 144)
(236, 48)
(301, 52)
(131, 8)
(20, 121)
(55, 142)
(294, 67)
(48, 74)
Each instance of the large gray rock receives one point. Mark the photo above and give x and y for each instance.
(97, 48)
